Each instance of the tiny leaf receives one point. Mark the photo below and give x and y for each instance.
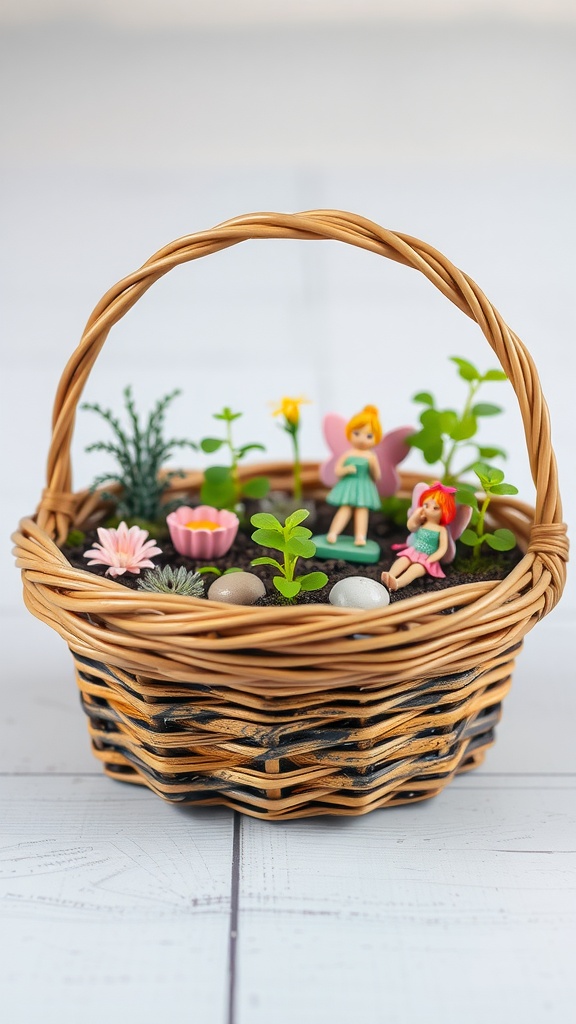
(211, 444)
(433, 451)
(491, 453)
(233, 568)
(288, 588)
(466, 497)
(424, 397)
(312, 581)
(217, 475)
(448, 420)
(301, 548)
(464, 428)
(257, 487)
(486, 409)
(265, 521)
(495, 375)
(241, 452)
(504, 489)
(301, 531)
(501, 540)
(269, 539)
(296, 518)
(470, 538)
(267, 561)
(466, 370)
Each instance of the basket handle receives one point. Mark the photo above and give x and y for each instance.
(56, 507)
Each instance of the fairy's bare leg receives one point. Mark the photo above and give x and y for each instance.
(389, 579)
(341, 519)
(415, 570)
(360, 525)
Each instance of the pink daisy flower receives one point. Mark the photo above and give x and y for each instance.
(123, 550)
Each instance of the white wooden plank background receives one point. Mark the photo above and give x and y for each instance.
(113, 905)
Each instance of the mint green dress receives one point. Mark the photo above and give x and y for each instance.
(356, 489)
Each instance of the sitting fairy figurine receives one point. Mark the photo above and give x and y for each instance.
(358, 470)
(435, 521)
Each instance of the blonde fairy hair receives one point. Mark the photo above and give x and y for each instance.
(369, 417)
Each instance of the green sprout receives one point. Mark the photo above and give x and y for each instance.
(222, 487)
(492, 482)
(293, 540)
(140, 453)
(172, 581)
(445, 432)
(289, 409)
(217, 571)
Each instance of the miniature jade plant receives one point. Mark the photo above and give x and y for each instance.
(222, 486)
(445, 433)
(293, 541)
(140, 452)
(167, 580)
(491, 482)
(289, 410)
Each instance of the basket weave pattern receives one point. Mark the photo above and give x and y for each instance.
(292, 711)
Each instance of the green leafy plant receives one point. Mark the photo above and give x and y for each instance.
(293, 540)
(445, 433)
(222, 487)
(140, 451)
(492, 482)
(172, 581)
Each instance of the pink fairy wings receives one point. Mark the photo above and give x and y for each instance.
(391, 450)
(454, 529)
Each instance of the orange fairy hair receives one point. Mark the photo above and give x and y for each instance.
(369, 417)
(444, 496)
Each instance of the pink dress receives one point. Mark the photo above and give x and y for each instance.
(425, 543)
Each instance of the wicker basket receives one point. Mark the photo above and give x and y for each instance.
(293, 711)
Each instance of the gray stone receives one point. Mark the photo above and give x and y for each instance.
(237, 588)
(359, 592)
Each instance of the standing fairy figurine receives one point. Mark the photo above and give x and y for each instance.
(358, 470)
(431, 538)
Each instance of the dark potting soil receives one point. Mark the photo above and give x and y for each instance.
(382, 531)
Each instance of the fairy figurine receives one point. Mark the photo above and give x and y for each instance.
(435, 521)
(362, 467)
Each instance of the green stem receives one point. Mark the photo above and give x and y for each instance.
(480, 528)
(234, 462)
(297, 467)
(447, 478)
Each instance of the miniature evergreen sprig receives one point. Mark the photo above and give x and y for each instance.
(167, 580)
(222, 487)
(445, 432)
(140, 453)
(293, 540)
(492, 482)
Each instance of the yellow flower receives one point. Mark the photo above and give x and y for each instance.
(289, 408)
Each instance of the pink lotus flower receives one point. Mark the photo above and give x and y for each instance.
(211, 538)
(123, 550)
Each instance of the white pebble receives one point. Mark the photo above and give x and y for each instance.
(359, 592)
(237, 588)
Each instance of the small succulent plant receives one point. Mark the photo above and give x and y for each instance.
(140, 453)
(166, 580)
